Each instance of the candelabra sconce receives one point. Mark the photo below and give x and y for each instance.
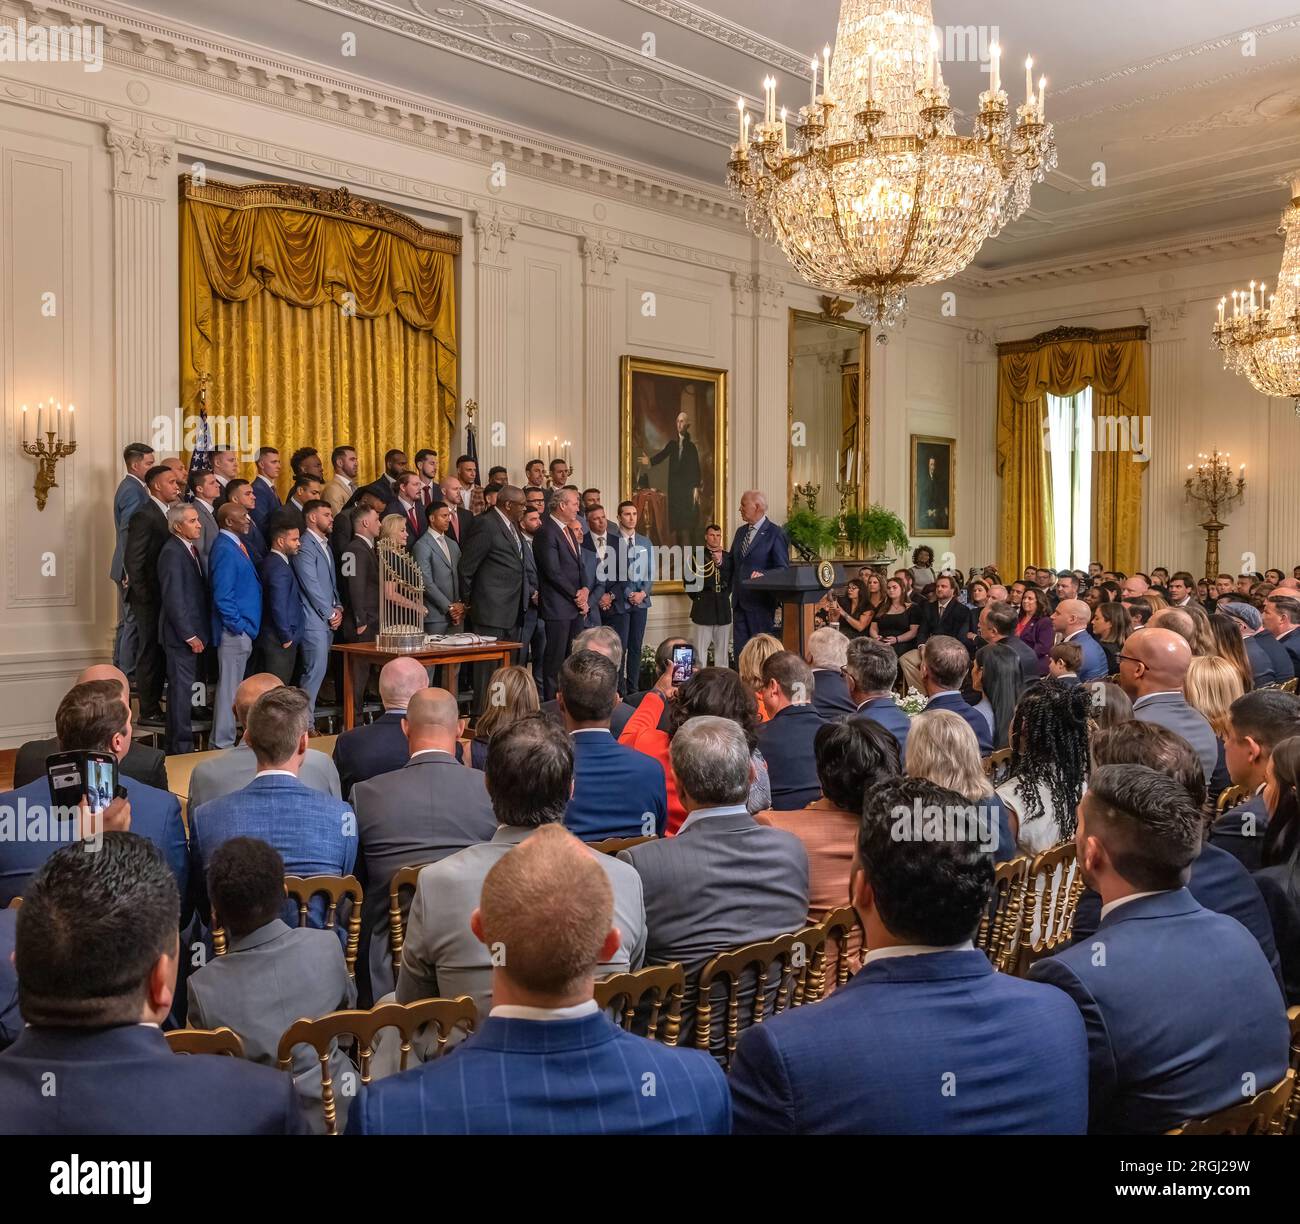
(1211, 482)
(49, 446)
(845, 490)
(808, 492)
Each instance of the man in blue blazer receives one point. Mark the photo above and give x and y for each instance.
(322, 606)
(636, 569)
(871, 669)
(380, 747)
(236, 614)
(11, 1020)
(759, 546)
(266, 501)
(826, 652)
(786, 738)
(277, 643)
(1262, 648)
(617, 791)
(545, 1060)
(594, 574)
(131, 494)
(92, 717)
(1281, 618)
(926, 1039)
(184, 619)
(562, 597)
(1183, 1013)
(1071, 620)
(944, 664)
(315, 834)
(94, 1017)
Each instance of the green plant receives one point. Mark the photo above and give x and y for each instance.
(814, 533)
(875, 528)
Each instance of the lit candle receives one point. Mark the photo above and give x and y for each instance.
(1252, 295)
(812, 100)
(1029, 81)
(24, 423)
(995, 53)
(40, 420)
(826, 70)
(1222, 303)
(72, 422)
(871, 71)
(1042, 94)
(848, 468)
(929, 62)
(935, 70)
(784, 144)
(58, 421)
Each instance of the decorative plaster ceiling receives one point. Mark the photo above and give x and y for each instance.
(1173, 117)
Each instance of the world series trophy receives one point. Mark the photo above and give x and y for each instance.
(401, 628)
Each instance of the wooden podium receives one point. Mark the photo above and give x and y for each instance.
(799, 589)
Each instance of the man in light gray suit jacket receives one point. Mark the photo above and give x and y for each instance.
(529, 777)
(438, 557)
(272, 974)
(724, 880)
(322, 608)
(430, 808)
(204, 491)
(236, 767)
(1152, 669)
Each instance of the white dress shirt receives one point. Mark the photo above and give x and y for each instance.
(1114, 905)
(516, 1011)
(913, 950)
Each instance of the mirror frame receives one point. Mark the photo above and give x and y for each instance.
(832, 313)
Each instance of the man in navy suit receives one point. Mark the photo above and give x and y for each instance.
(826, 653)
(94, 1015)
(1184, 1015)
(1257, 723)
(871, 669)
(563, 598)
(617, 791)
(408, 501)
(759, 546)
(365, 752)
(146, 533)
(92, 717)
(236, 614)
(997, 626)
(131, 494)
(786, 739)
(11, 1020)
(594, 574)
(609, 602)
(1071, 620)
(1262, 648)
(185, 619)
(944, 664)
(1281, 618)
(277, 642)
(266, 501)
(545, 1060)
(926, 1039)
(947, 616)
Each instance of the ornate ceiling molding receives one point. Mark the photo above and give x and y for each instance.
(728, 34)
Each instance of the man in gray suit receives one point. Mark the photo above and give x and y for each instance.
(204, 491)
(529, 778)
(236, 767)
(725, 880)
(438, 557)
(272, 974)
(322, 608)
(131, 494)
(430, 808)
(1152, 669)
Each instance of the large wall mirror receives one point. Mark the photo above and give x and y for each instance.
(828, 442)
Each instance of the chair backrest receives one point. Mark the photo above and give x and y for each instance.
(1001, 925)
(403, 877)
(663, 987)
(1289, 686)
(844, 952)
(1048, 910)
(337, 888)
(205, 1041)
(1261, 1115)
(1230, 797)
(612, 845)
(1290, 1124)
(445, 1015)
(771, 963)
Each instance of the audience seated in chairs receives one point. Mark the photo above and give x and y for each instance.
(271, 974)
(603, 640)
(871, 670)
(546, 1060)
(379, 748)
(786, 738)
(827, 654)
(512, 695)
(882, 1055)
(1279, 878)
(724, 880)
(96, 956)
(749, 663)
(944, 664)
(529, 778)
(11, 1022)
(1160, 966)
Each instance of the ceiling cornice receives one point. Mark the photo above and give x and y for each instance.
(727, 34)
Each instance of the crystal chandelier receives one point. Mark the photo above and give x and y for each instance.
(1263, 342)
(877, 192)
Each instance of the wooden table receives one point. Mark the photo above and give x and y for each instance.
(433, 656)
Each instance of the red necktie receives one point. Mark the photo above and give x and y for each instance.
(198, 565)
(415, 522)
(428, 497)
(455, 524)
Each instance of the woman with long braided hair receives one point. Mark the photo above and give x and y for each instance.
(1049, 763)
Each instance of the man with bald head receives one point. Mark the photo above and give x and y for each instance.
(1070, 620)
(423, 811)
(236, 767)
(144, 764)
(367, 751)
(1152, 668)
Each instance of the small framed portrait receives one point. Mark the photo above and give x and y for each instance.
(934, 486)
(673, 448)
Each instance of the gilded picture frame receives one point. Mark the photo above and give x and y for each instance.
(932, 498)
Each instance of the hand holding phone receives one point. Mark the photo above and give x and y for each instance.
(683, 664)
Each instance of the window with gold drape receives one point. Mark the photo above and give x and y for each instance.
(318, 319)
(1061, 363)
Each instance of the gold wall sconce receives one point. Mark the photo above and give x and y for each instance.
(50, 445)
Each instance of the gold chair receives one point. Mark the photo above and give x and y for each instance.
(1230, 797)
(1261, 1115)
(446, 1015)
(1289, 686)
(731, 967)
(404, 877)
(1050, 910)
(843, 956)
(205, 1041)
(301, 890)
(1289, 1123)
(662, 985)
(14, 903)
(995, 760)
(808, 960)
(612, 845)
(1000, 928)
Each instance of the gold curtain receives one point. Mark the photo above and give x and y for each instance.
(319, 319)
(1062, 363)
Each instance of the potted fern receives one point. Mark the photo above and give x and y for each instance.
(874, 529)
(812, 534)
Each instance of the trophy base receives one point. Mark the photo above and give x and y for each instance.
(401, 643)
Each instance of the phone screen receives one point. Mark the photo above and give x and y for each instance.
(77, 775)
(683, 663)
